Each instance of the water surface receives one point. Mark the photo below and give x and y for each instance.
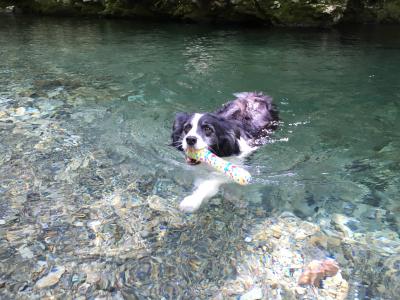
(87, 108)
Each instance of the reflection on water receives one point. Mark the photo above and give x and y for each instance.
(89, 187)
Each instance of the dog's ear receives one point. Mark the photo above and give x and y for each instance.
(229, 144)
(177, 129)
(228, 134)
(236, 130)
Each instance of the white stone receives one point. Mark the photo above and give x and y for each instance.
(94, 225)
(247, 239)
(20, 111)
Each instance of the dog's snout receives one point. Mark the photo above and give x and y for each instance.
(191, 140)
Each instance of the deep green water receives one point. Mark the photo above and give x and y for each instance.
(113, 88)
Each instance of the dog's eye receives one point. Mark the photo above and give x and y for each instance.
(208, 130)
(187, 128)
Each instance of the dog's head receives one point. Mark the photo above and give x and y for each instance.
(205, 131)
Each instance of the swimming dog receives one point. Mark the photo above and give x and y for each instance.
(236, 129)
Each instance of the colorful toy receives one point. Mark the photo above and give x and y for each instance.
(236, 173)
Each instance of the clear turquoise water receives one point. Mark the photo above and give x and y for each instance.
(120, 84)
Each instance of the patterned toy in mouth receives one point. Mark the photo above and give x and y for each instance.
(192, 161)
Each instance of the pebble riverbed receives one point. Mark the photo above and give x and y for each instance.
(79, 222)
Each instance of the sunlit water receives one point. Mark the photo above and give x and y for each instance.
(99, 100)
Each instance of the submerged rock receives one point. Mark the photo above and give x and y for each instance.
(317, 270)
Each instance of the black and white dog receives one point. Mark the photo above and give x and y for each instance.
(236, 129)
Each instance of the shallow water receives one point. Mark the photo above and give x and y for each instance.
(88, 181)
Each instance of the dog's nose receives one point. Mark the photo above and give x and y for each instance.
(191, 140)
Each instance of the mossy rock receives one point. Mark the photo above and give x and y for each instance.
(303, 12)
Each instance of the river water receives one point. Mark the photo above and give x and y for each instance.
(89, 188)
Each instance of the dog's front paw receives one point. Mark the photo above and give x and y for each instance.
(190, 203)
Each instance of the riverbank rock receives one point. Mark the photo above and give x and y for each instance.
(297, 13)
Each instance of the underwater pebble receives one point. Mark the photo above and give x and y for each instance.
(300, 290)
(254, 294)
(92, 275)
(144, 233)
(300, 235)
(51, 278)
(339, 221)
(78, 278)
(276, 231)
(335, 287)
(287, 214)
(20, 111)
(216, 201)
(247, 239)
(25, 252)
(133, 98)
